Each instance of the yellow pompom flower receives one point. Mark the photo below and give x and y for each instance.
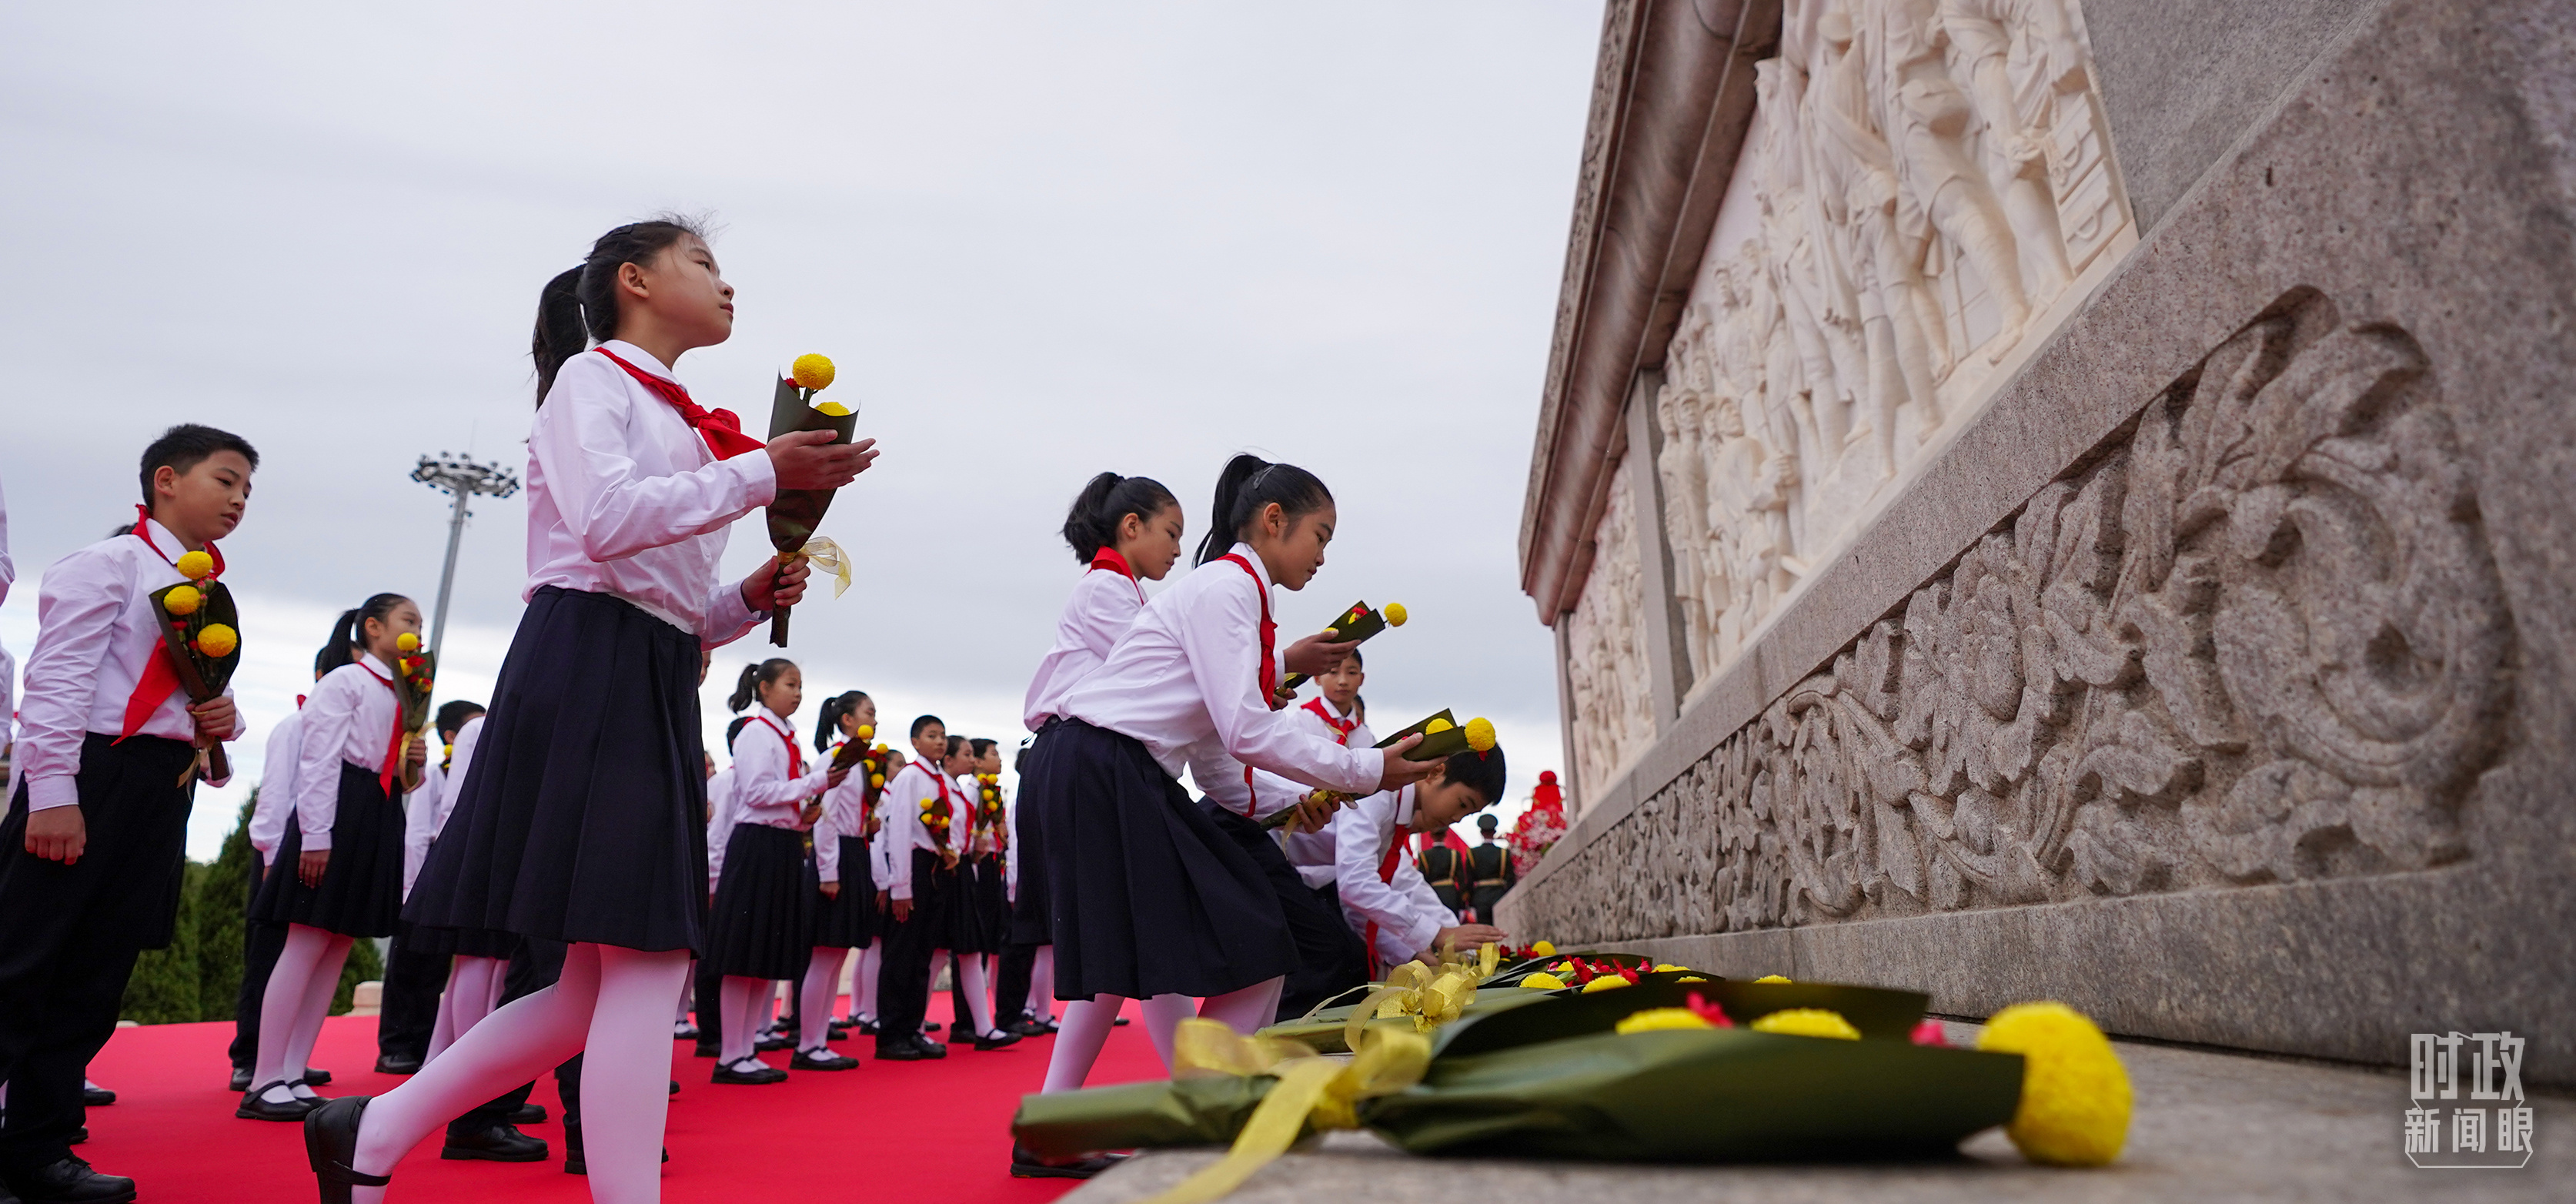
(182, 600)
(1393, 613)
(407, 642)
(1668, 967)
(2074, 1093)
(928, 803)
(1480, 734)
(218, 640)
(1690, 978)
(880, 749)
(877, 780)
(1543, 982)
(812, 371)
(1437, 725)
(1607, 982)
(1808, 1022)
(194, 565)
(1660, 1019)
(1772, 978)
(865, 733)
(1543, 948)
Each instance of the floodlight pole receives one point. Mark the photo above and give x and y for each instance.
(461, 477)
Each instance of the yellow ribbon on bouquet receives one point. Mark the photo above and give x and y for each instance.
(1313, 1090)
(827, 556)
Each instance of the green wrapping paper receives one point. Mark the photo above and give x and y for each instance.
(795, 513)
(1549, 1077)
(1356, 624)
(201, 677)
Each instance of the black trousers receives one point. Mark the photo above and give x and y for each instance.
(413, 983)
(1011, 983)
(261, 943)
(72, 931)
(903, 985)
(707, 988)
(533, 968)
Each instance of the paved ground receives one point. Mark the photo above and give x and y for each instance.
(2208, 1126)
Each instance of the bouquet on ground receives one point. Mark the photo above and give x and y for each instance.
(1655, 1071)
(1356, 624)
(415, 673)
(200, 644)
(1441, 738)
(795, 513)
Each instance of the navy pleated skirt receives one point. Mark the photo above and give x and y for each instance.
(583, 818)
(1330, 957)
(1029, 910)
(361, 891)
(763, 922)
(1147, 895)
(850, 921)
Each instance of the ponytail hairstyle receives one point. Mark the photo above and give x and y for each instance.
(1092, 524)
(746, 689)
(734, 729)
(828, 724)
(343, 648)
(580, 305)
(1250, 483)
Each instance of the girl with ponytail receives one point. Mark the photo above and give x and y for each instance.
(1152, 895)
(582, 820)
(762, 926)
(843, 876)
(338, 873)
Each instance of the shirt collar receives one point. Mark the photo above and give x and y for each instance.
(1252, 558)
(774, 717)
(1404, 801)
(641, 358)
(380, 668)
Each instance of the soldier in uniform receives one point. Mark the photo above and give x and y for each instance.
(1443, 864)
(1489, 872)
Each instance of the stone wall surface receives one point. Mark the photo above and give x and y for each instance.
(2215, 677)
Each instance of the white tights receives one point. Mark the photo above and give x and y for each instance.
(817, 994)
(612, 1004)
(1042, 985)
(1086, 1024)
(474, 986)
(745, 1007)
(291, 1012)
(970, 975)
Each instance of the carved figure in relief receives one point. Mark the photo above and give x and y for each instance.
(1685, 505)
(2019, 58)
(1927, 120)
(2259, 636)
(1749, 499)
(1860, 194)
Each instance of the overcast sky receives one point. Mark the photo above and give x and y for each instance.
(1039, 240)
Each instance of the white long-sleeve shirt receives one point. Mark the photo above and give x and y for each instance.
(766, 790)
(282, 758)
(96, 630)
(1312, 714)
(1104, 602)
(1408, 913)
(436, 799)
(349, 719)
(845, 813)
(624, 498)
(720, 820)
(8, 663)
(1188, 673)
(903, 831)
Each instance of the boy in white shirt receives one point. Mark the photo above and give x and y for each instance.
(1377, 884)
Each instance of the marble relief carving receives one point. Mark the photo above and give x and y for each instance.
(1613, 717)
(2257, 637)
(1930, 175)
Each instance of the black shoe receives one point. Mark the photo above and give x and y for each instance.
(822, 1059)
(682, 1030)
(705, 1049)
(675, 1090)
(529, 1114)
(80, 1136)
(96, 1097)
(500, 1143)
(255, 1107)
(998, 1040)
(1120, 1022)
(241, 1078)
(840, 1028)
(764, 1075)
(316, 1078)
(331, 1143)
(71, 1181)
(918, 1049)
(772, 1044)
(928, 1028)
(1027, 1165)
(394, 1064)
(866, 1028)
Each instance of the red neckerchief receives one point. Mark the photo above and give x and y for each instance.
(159, 680)
(394, 745)
(795, 755)
(1386, 874)
(1269, 664)
(1341, 727)
(1108, 558)
(720, 428)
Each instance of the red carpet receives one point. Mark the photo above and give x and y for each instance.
(930, 1131)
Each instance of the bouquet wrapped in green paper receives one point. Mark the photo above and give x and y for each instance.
(795, 513)
(1661, 1071)
(1356, 624)
(415, 676)
(201, 644)
(1442, 738)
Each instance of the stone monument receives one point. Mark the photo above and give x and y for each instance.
(2067, 499)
